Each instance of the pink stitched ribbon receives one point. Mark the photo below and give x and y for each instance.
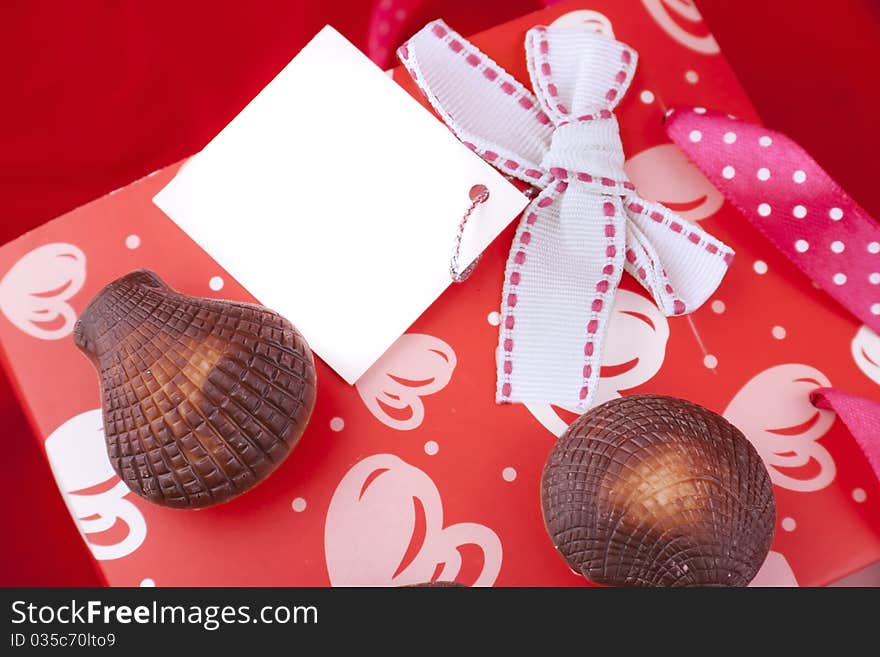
(781, 190)
(586, 225)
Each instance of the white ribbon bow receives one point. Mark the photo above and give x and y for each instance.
(587, 224)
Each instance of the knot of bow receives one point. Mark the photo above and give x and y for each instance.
(587, 224)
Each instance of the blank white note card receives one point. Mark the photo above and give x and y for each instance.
(334, 198)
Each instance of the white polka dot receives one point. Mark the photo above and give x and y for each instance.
(799, 176)
(133, 241)
(298, 505)
(699, 110)
(836, 214)
(718, 306)
(728, 172)
(765, 141)
(859, 495)
(647, 97)
(216, 283)
(508, 474)
(763, 173)
(874, 247)
(789, 524)
(729, 137)
(760, 267)
(764, 210)
(431, 447)
(874, 278)
(875, 309)
(839, 279)
(494, 318)
(691, 76)
(710, 361)
(695, 135)
(799, 211)
(837, 246)
(337, 424)
(778, 332)
(400, 14)
(148, 582)
(801, 246)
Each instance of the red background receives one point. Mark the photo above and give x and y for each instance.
(99, 94)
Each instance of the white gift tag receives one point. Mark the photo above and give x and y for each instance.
(334, 198)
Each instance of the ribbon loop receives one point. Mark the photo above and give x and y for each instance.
(578, 74)
(470, 91)
(576, 237)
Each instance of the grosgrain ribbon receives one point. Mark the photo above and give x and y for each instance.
(784, 192)
(587, 225)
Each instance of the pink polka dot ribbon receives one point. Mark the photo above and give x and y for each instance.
(861, 416)
(780, 189)
(587, 225)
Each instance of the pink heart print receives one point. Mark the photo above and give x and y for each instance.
(663, 174)
(35, 291)
(415, 366)
(634, 352)
(865, 347)
(95, 495)
(773, 410)
(598, 21)
(774, 572)
(681, 20)
(383, 508)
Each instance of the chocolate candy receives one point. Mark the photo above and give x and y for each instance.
(657, 491)
(202, 399)
(439, 584)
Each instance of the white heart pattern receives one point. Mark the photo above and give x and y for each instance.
(634, 352)
(94, 493)
(865, 348)
(385, 528)
(586, 17)
(415, 366)
(678, 18)
(664, 174)
(774, 572)
(35, 291)
(774, 412)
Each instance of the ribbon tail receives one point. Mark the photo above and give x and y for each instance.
(486, 108)
(861, 416)
(679, 263)
(790, 198)
(563, 271)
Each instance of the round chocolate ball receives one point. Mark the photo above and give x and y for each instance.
(649, 490)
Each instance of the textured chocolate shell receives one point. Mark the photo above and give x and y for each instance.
(435, 585)
(657, 491)
(202, 399)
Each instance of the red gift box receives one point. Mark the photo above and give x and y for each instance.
(414, 473)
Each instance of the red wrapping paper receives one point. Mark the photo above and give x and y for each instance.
(448, 485)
